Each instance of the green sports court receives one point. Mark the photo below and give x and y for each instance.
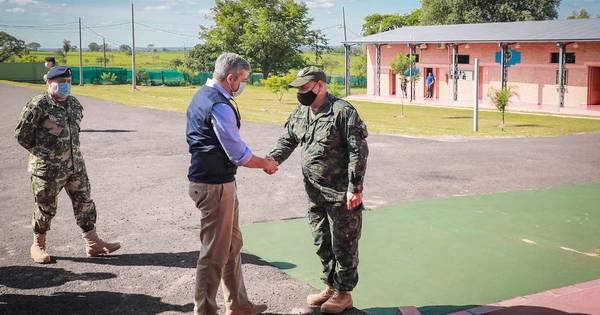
(449, 254)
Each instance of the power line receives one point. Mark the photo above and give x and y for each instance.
(109, 25)
(108, 39)
(165, 31)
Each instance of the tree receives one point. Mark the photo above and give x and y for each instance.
(34, 46)
(11, 46)
(582, 14)
(278, 84)
(93, 46)
(375, 23)
(125, 48)
(500, 98)
(401, 66)
(66, 46)
(318, 42)
(483, 11)
(269, 33)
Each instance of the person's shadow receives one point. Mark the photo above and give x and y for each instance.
(180, 260)
(96, 302)
(28, 277)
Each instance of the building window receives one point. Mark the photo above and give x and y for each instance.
(569, 57)
(463, 59)
(566, 77)
(416, 57)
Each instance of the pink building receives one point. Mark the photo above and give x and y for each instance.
(533, 54)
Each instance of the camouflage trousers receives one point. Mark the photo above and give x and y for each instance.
(336, 232)
(45, 192)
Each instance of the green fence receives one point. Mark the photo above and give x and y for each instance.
(34, 72)
(26, 72)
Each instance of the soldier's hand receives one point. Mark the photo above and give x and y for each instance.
(353, 200)
(271, 166)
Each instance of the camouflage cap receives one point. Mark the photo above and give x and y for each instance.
(308, 74)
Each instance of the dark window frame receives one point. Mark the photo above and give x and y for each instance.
(570, 57)
(460, 59)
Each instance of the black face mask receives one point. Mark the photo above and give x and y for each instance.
(307, 98)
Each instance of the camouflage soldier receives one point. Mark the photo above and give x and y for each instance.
(334, 160)
(49, 130)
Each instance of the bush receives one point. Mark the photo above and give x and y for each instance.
(501, 98)
(334, 88)
(278, 84)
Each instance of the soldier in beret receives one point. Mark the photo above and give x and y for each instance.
(49, 130)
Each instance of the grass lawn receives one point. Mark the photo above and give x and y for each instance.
(257, 104)
(447, 254)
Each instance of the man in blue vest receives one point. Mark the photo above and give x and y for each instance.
(217, 150)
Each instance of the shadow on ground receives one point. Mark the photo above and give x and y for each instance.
(28, 277)
(107, 130)
(180, 260)
(98, 302)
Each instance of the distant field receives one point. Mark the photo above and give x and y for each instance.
(161, 59)
(151, 60)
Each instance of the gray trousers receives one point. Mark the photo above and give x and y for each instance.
(219, 260)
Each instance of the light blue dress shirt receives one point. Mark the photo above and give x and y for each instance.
(225, 126)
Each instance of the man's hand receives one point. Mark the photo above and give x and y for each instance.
(353, 200)
(271, 166)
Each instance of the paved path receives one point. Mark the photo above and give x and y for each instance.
(137, 161)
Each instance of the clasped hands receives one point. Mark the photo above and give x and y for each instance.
(271, 166)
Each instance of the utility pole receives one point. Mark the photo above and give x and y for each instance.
(80, 56)
(104, 51)
(346, 57)
(133, 83)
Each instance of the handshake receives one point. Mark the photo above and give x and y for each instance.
(270, 165)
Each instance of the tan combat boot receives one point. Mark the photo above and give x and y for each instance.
(94, 246)
(38, 249)
(247, 309)
(321, 297)
(339, 302)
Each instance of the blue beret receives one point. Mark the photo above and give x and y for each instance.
(59, 72)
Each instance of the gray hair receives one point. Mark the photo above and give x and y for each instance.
(229, 63)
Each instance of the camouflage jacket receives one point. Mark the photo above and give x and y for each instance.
(334, 149)
(49, 130)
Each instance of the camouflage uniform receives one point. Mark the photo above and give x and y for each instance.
(49, 130)
(334, 160)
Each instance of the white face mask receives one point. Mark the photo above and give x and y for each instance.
(239, 90)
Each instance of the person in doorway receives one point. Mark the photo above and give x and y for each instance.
(430, 82)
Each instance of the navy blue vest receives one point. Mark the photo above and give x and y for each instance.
(209, 163)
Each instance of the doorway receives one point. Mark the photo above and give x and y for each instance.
(594, 86)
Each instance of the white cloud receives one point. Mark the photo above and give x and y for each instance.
(320, 3)
(23, 2)
(157, 7)
(15, 10)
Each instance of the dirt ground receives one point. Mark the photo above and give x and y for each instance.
(137, 162)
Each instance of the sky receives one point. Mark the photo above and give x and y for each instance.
(175, 23)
